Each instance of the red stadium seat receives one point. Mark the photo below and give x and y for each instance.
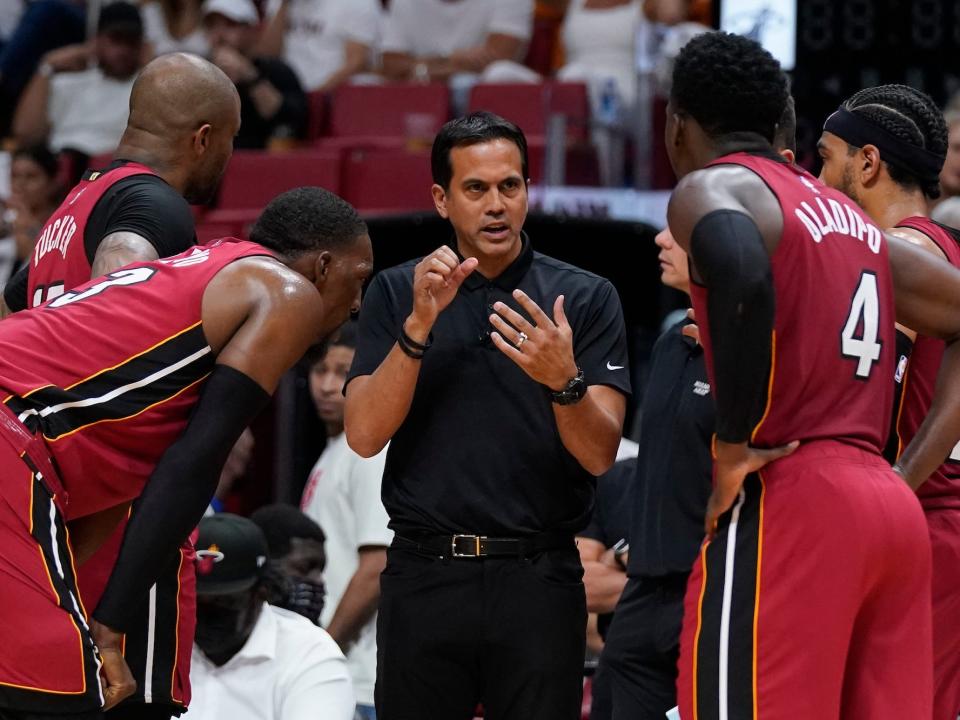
(316, 114)
(377, 179)
(381, 111)
(254, 177)
(530, 104)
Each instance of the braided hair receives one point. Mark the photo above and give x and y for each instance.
(911, 116)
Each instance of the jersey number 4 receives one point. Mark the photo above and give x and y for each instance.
(858, 340)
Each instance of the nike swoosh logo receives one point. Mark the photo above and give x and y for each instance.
(613, 367)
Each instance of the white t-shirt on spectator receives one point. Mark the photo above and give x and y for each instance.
(290, 669)
(425, 28)
(87, 111)
(318, 30)
(343, 497)
(157, 34)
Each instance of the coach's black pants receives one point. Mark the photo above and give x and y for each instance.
(638, 665)
(508, 633)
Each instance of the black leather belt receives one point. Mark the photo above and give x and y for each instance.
(478, 546)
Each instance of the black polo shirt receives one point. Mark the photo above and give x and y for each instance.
(674, 468)
(479, 451)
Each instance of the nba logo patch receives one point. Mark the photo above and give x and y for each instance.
(901, 369)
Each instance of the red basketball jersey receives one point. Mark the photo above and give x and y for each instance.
(59, 261)
(833, 343)
(943, 487)
(110, 371)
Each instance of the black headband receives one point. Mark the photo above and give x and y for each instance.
(858, 131)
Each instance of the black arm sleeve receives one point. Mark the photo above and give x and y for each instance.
(15, 291)
(147, 206)
(178, 492)
(730, 256)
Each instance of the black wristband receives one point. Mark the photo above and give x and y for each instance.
(411, 347)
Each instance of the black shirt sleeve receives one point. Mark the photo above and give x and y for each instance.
(147, 206)
(594, 529)
(600, 340)
(15, 291)
(380, 320)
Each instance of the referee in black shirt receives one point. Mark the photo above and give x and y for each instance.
(500, 375)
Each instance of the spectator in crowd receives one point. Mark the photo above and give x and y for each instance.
(325, 41)
(74, 106)
(950, 175)
(252, 660)
(296, 547)
(272, 102)
(436, 40)
(343, 495)
(174, 26)
(43, 26)
(34, 195)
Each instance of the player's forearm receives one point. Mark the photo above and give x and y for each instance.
(590, 431)
(378, 404)
(604, 586)
(940, 431)
(358, 604)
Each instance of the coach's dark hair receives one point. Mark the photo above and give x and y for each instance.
(281, 523)
(306, 219)
(729, 84)
(477, 127)
(911, 116)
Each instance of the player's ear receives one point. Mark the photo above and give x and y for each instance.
(440, 200)
(676, 129)
(201, 139)
(869, 164)
(321, 268)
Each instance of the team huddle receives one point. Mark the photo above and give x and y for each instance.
(827, 309)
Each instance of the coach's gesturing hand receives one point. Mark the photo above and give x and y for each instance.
(436, 280)
(542, 348)
(115, 676)
(732, 463)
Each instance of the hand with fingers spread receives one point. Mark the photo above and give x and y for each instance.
(732, 464)
(543, 348)
(436, 280)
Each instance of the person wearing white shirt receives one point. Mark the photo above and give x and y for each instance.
(78, 98)
(430, 40)
(251, 660)
(343, 496)
(325, 41)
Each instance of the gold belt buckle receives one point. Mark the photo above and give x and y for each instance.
(476, 546)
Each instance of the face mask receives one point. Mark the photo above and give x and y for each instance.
(306, 598)
(223, 630)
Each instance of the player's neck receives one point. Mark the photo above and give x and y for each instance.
(888, 209)
(130, 148)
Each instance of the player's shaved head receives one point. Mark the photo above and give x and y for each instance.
(184, 113)
(179, 92)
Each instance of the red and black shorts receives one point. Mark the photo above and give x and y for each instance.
(48, 663)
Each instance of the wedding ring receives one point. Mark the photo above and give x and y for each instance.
(521, 339)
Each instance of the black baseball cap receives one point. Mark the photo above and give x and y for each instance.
(120, 19)
(231, 554)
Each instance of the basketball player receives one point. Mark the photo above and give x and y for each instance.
(184, 113)
(884, 148)
(135, 386)
(808, 599)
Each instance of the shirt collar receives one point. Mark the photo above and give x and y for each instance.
(510, 278)
(262, 643)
